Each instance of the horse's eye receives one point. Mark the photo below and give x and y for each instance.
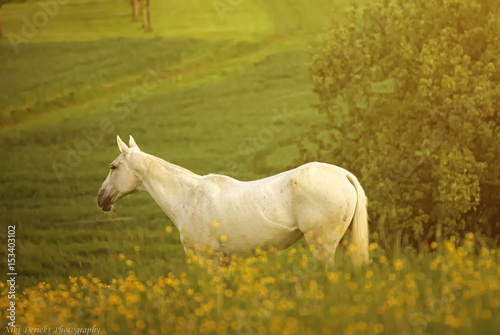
(113, 167)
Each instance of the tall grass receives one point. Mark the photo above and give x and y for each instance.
(452, 288)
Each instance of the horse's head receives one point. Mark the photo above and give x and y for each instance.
(121, 179)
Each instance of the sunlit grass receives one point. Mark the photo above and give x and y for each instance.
(452, 288)
(190, 41)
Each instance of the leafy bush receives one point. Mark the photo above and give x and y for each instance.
(409, 92)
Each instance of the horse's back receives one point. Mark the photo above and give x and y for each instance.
(250, 214)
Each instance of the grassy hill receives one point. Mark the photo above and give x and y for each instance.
(85, 44)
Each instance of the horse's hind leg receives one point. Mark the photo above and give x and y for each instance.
(323, 243)
(325, 231)
(325, 202)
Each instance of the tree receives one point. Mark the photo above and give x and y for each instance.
(409, 93)
(142, 8)
(147, 17)
(136, 9)
(1, 30)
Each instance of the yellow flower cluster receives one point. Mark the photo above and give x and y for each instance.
(450, 289)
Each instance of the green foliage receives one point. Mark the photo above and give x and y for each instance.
(409, 92)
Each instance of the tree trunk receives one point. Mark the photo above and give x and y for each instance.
(136, 9)
(143, 15)
(1, 30)
(439, 231)
(148, 14)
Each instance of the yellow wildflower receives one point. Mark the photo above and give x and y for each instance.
(114, 299)
(453, 321)
(361, 326)
(378, 328)
(486, 314)
(398, 265)
(140, 324)
(333, 277)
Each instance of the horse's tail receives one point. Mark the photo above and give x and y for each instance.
(359, 225)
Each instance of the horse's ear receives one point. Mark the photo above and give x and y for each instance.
(132, 144)
(122, 146)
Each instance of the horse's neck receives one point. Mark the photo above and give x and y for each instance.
(168, 184)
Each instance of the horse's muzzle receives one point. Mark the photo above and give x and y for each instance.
(104, 202)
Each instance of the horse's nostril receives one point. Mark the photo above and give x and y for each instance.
(106, 208)
(100, 198)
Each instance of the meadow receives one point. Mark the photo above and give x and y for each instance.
(219, 82)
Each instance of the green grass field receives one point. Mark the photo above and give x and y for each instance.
(218, 83)
(217, 90)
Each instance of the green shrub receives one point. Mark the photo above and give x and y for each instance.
(409, 97)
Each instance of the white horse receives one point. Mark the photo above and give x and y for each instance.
(315, 200)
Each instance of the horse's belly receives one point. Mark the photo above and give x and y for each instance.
(245, 241)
